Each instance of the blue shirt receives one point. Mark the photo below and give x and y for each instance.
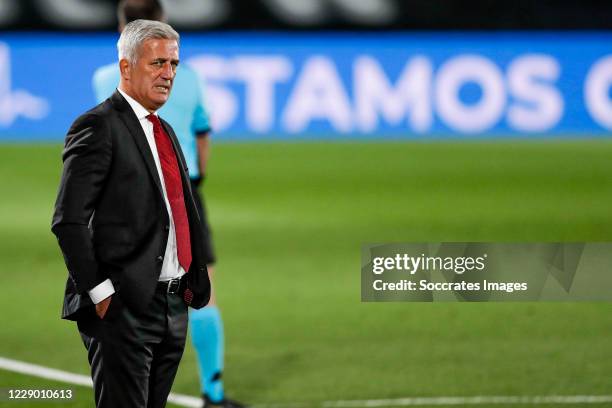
(185, 110)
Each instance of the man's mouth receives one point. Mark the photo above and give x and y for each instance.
(162, 88)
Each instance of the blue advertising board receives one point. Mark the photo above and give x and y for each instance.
(350, 85)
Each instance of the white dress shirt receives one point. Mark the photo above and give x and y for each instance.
(171, 268)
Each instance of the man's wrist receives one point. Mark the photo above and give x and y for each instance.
(101, 291)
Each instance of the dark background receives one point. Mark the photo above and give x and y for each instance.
(320, 14)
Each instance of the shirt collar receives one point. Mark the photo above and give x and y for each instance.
(140, 111)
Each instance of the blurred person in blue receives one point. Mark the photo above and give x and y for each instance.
(187, 114)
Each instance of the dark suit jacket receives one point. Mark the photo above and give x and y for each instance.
(110, 217)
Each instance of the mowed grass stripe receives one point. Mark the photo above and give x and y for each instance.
(190, 401)
(289, 220)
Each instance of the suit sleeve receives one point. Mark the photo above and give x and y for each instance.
(87, 156)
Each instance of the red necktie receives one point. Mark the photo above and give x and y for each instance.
(174, 189)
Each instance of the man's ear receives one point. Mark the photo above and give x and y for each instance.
(125, 68)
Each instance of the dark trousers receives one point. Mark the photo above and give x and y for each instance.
(134, 358)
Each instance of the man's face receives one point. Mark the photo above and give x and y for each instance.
(150, 80)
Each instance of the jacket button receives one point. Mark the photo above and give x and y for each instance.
(160, 258)
(167, 227)
(202, 269)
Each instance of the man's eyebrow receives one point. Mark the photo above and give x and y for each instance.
(175, 61)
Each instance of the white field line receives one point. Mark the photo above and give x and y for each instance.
(195, 402)
(476, 400)
(78, 379)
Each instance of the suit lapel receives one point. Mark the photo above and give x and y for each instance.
(131, 122)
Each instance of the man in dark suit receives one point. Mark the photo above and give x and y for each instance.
(128, 227)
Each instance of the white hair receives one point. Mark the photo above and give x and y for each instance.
(137, 32)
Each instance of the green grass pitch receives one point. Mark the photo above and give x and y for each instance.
(289, 220)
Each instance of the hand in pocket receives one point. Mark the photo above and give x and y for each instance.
(102, 307)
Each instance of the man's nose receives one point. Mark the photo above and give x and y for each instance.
(168, 71)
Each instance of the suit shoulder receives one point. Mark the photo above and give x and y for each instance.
(94, 122)
(96, 114)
